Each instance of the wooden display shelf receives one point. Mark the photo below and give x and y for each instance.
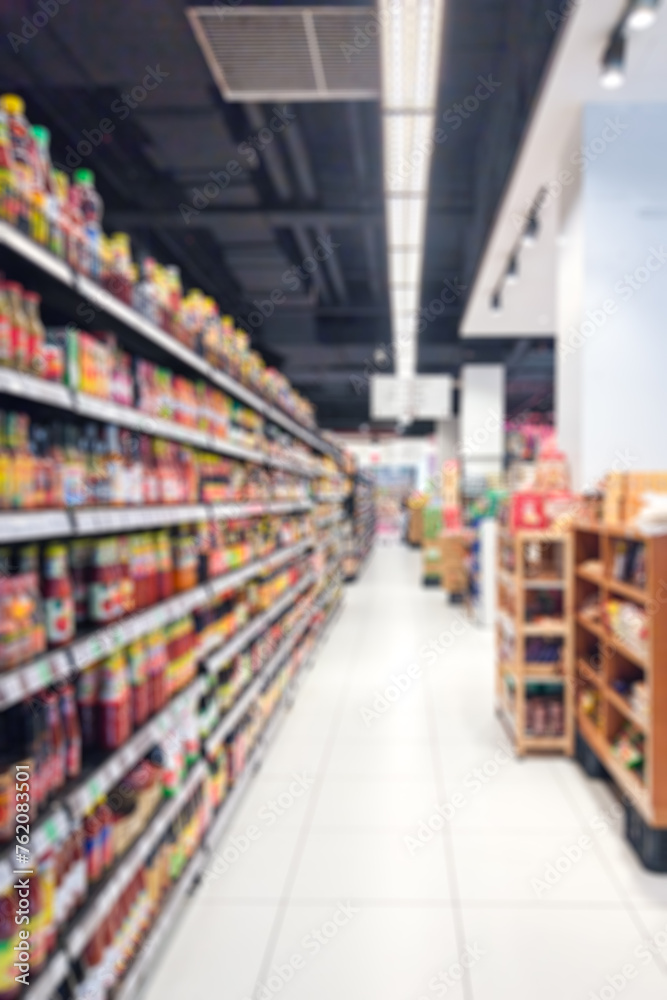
(628, 782)
(552, 573)
(593, 677)
(610, 640)
(647, 795)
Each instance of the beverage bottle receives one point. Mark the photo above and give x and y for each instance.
(72, 731)
(7, 210)
(58, 596)
(36, 334)
(20, 332)
(90, 211)
(138, 664)
(114, 702)
(58, 748)
(24, 158)
(104, 589)
(6, 348)
(87, 692)
(43, 217)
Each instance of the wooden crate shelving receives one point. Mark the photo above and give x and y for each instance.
(603, 660)
(535, 567)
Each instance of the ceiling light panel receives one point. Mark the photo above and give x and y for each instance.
(410, 51)
(406, 220)
(410, 45)
(408, 145)
(405, 267)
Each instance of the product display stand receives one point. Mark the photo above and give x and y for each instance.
(620, 581)
(534, 683)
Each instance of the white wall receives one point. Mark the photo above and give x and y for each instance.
(482, 434)
(612, 399)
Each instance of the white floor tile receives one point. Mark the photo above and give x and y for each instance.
(544, 869)
(215, 951)
(558, 953)
(384, 952)
(379, 780)
(369, 864)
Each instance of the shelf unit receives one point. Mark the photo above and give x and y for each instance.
(81, 287)
(605, 659)
(305, 601)
(532, 564)
(87, 922)
(360, 533)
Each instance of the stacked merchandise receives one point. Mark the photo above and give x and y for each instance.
(360, 526)
(621, 636)
(534, 683)
(64, 215)
(158, 584)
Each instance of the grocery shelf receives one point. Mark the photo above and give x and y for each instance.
(133, 320)
(612, 642)
(36, 254)
(33, 525)
(126, 867)
(29, 525)
(617, 719)
(104, 777)
(30, 387)
(623, 706)
(628, 782)
(234, 715)
(334, 498)
(220, 657)
(162, 927)
(131, 985)
(592, 676)
(61, 665)
(529, 668)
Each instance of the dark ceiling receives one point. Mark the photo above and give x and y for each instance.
(320, 178)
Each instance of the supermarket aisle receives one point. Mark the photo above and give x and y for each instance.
(341, 887)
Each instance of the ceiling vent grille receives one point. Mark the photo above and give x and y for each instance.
(290, 53)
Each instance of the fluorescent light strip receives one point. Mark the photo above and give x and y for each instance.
(406, 221)
(408, 146)
(410, 45)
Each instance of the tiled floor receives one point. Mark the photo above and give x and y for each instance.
(340, 899)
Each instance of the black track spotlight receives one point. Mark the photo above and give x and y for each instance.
(496, 303)
(642, 14)
(512, 273)
(531, 231)
(612, 75)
